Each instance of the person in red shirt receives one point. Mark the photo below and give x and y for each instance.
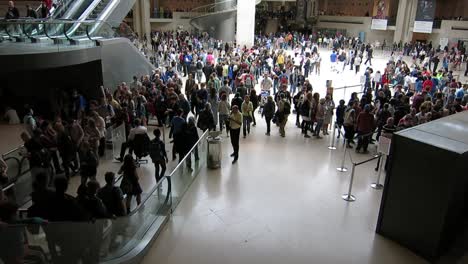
(427, 84)
(365, 124)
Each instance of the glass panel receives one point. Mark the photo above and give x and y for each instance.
(118, 138)
(186, 172)
(84, 242)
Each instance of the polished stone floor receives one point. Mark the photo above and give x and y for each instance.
(281, 203)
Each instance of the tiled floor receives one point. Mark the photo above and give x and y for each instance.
(281, 203)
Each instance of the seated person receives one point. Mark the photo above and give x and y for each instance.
(137, 130)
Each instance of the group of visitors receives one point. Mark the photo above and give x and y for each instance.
(210, 85)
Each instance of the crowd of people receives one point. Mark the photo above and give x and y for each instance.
(43, 11)
(206, 84)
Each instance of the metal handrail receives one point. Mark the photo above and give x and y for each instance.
(66, 30)
(189, 153)
(211, 5)
(11, 151)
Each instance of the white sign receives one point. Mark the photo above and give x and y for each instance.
(443, 42)
(379, 24)
(423, 26)
(384, 145)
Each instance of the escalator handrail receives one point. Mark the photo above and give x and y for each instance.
(52, 22)
(195, 10)
(169, 190)
(84, 16)
(104, 15)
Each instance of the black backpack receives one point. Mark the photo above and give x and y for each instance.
(44, 157)
(155, 150)
(287, 108)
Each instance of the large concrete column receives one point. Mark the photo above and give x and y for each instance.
(245, 34)
(400, 26)
(145, 6)
(226, 24)
(137, 18)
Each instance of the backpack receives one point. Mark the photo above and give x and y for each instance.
(284, 79)
(155, 150)
(44, 157)
(199, 65)
(248, 81)
(287, 108)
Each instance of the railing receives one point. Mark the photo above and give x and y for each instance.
(107, 240)
(19, 185)
(186, 171)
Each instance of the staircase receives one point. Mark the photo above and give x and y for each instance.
(98, 10)
(202, 16)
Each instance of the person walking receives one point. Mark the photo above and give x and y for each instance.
(130, 181)
(284, 109)
(157, 152)
(268, 112)
(235, 123)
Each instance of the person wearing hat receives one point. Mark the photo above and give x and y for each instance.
(235, 123)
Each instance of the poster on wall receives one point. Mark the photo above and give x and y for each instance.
(424, 16)
(379, 24)
(379, 15)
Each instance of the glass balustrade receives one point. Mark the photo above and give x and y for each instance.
(102, 240)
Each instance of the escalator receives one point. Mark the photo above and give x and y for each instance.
(208, 18)
(79, 11)
(119, 240)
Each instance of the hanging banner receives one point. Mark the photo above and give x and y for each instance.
(380, 14)
(379, 24)
(424, 16)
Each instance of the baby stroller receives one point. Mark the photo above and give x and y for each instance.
(263, 99)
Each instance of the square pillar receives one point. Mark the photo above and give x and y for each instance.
(245, 34)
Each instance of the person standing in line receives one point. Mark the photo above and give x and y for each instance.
(269, 111)
(235, 123)
(319, 117)
(329, 108)
(158, 155)
(247, 113)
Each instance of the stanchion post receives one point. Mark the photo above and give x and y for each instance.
(349, 197)
(332, 144)
(377, 184)
(343, 168)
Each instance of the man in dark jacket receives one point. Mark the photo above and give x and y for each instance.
(268, 112)
(12, 11)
